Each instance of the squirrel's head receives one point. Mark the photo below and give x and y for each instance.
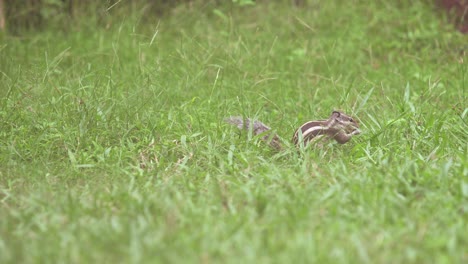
(345, 122)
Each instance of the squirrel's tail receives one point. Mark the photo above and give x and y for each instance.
(247, 124)
(257, 128)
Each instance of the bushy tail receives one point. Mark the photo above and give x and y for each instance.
(257, 128)
(247, 124)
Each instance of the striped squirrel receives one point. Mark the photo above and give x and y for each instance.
(339, 126)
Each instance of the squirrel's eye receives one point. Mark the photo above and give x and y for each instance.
(351, 120)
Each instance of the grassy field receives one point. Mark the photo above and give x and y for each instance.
(113, 147)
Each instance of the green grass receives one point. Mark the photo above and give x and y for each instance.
(113, 148)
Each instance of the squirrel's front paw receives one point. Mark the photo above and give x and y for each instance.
(356, 132)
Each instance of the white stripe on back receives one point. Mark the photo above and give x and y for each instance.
(312, 129)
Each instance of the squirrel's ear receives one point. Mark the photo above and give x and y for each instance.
(336, 114)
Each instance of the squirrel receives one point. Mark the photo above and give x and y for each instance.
(339, 126)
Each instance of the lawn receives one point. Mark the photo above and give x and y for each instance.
(113, 147)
